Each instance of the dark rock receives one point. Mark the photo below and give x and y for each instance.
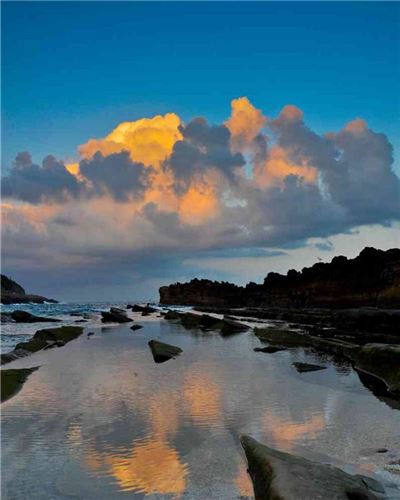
(50, 337)
(138, 308)
(136, 327)
(163, 352)
(90, 334)
(26, 317)
(382, 361)
(81, 321)
(270, 349)
(172, 315)
(307, 367)
(281, 476)
(117, 310)
(114, 317)
(13, 380)
(12, 293)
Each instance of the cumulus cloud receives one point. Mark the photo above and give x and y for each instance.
(34, 183)
(157, 188)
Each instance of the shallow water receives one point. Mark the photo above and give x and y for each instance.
(101, 420)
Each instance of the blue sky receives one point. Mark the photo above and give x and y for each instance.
(73, 70)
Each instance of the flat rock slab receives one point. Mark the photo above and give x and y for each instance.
(270, 349)
(43, 339)
(163, 352)
(13, 380)
(281, 476)
(307, 367)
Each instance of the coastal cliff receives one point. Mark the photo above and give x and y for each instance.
(13, 293)
(372, 279)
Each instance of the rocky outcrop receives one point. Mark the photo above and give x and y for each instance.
(163, 352)
(26, 317)
(43, 339)
(12, 293)
(13, 380)
(115, 315)
(205, 322)
(307, 367)
(372, 279)
(382, 361)
(281, 476)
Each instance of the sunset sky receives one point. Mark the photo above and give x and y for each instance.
(148, 143)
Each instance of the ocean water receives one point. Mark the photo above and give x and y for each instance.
(12, 333)
(100, 420)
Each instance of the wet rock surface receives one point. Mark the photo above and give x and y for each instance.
(163, 352)
(43, 339)
(281, 476)
(12, 381)
(136, 327)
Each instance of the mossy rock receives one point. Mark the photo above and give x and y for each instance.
(382, 361)
(163, 352)
(281, 337)
(13, 380)
(64, 333)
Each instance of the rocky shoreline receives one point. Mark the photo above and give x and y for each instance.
(274, 474)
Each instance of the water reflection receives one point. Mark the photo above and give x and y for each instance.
(152, 466)
(104, 409)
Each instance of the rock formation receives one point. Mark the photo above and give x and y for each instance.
(371, 279)
(12, 293)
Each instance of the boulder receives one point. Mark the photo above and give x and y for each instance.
(26, 317)
(136, 327)
(307, 367)
(172, 315)
(281, 476)
(13, 380)
(163, 352)
(114, 316)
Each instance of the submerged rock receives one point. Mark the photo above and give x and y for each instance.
(26, 317)
(13, 380)
(163, 352)
(136, 327)
(115, 316)
(43, 339)
(270, 349)
(307, 367)
(281, 476)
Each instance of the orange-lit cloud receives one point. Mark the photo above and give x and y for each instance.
(278, 166)
(148, 140)
(245, 122)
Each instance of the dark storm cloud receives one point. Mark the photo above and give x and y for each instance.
(115, 175)
(35, 184)
(203, 147)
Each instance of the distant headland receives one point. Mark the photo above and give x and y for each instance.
(13, 293)
(372, 279)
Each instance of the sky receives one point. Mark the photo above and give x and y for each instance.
(145, 143)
